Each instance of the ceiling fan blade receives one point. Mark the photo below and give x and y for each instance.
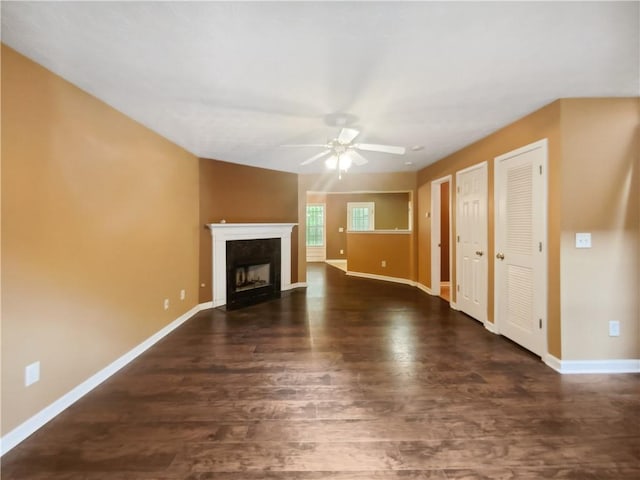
(347, 135)
(306, 145)
(316, 157)
(372, 147)
(357, 158)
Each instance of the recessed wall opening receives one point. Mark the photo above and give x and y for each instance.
(353, 211)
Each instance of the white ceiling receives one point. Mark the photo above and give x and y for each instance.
(234, 81)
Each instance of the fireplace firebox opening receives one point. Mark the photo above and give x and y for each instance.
(253, 271)
(252, 276)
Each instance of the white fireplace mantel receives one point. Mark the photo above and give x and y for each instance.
(221, 233)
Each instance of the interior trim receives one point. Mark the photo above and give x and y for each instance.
(424, 288)
(491, 327)
(593, 366)
(30, 426)
(373, 276)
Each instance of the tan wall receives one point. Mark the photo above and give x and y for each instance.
(600, 195)
(358, 182)
(316, 198)
(99, 225)
(391, 211)
(593, 186)
(243, 194)
(352, 182)
(368, 250)
(544, 123)
(336, 211)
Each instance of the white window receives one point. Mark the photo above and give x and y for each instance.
(315, 225)
(360, 216)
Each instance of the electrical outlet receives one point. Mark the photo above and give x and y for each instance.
(614, 328)
(31, 374)
(340, 229)
(383, 263)
(341, 252)
(202, 285)
(166, 304)
(183, 294)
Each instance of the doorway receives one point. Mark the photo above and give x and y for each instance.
(441, 237)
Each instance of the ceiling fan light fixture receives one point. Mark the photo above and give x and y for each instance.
(331, 162)
(339, 162)
(343, 153)
(344, 162)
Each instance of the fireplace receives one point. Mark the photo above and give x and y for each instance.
(253, 271)
(249, 264)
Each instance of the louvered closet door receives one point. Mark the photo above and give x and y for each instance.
(520, 246)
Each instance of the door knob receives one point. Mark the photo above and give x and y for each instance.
(479, 253)
(500, 256)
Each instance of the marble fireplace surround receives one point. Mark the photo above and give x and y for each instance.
(221, 233)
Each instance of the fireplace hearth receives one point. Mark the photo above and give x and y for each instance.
(253, 271)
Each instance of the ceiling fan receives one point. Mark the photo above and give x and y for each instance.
(342, 152)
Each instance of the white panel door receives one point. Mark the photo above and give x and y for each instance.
(520, 245)
(471, 236)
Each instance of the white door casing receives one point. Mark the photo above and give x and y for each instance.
(520, 290)
(436, 232)
(471, 241)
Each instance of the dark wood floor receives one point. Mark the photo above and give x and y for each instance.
(353, 379)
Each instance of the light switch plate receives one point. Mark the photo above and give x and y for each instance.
(583, 240)
(340, 229)
(614, 328)
(31, 374)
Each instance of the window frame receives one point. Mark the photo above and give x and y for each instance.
(323, 226)
(371, 206)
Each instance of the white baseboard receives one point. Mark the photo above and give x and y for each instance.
(295, 285)
(373, 276)
(562, 366)
(339, 264)
(25, 429)
(424, 288)
(491, 327)
(593, 366)
(553, 362)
